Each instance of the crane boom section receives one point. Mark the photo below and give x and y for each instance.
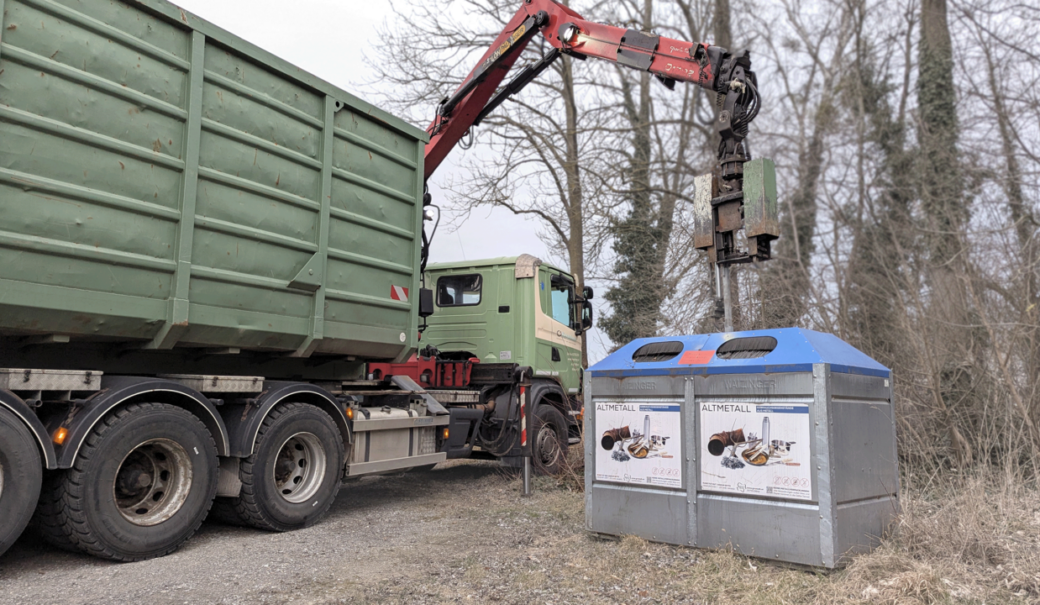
(726, 73)
(566, 31)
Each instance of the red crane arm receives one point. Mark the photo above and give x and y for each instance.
(726, 73)
(670, 60)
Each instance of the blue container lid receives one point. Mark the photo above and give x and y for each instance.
(796, 350)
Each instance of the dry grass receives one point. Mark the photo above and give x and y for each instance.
(967, 540)
(961, 539)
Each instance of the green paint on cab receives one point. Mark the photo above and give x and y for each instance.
(507, 310)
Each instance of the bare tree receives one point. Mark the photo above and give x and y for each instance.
(807, 61)
(538, 154)
(909, 177)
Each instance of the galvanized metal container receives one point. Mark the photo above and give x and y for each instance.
(164, 181)
(778, 443)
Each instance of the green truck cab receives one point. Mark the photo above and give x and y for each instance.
(516, 310)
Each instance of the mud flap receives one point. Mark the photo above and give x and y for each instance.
(462, 432)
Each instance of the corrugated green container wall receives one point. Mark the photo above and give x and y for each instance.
(164, 181)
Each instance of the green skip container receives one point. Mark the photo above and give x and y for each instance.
(167, 186)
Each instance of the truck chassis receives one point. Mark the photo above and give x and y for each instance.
(128, 467)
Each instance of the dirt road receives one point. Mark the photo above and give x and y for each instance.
(463, 534)
(403, 537)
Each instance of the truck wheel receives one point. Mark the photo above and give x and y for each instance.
(293, 477)
(142, 484)
(21, 473)
(549, 449)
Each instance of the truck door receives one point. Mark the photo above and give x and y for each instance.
(547, 353)
(461, 319)
(565, 341)
(556, 321)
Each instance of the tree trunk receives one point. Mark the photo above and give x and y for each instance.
(575, 194)
(942, 197)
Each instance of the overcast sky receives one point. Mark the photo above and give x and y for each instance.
(330, 38)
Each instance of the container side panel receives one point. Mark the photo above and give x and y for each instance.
(110, 40)
(31, 308)
(773, 530)
(256, 222)
(45, 88)
(283, 219)
(256, 330)
(372, 238)
(863, 437)
(238, 154)
(287, 174)
(378, 240)
(248, 251)
(156, 32)
(376, 136)
(243, 71)
(66, 218)
(259, 115)
(648, 513)
(92, 126)
(34, 147)
(862, 524)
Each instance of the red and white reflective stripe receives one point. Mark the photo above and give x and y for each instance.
(399, 293)
(523, 416)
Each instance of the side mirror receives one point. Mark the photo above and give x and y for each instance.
(425, 302)
(584, 313)
(586, 293)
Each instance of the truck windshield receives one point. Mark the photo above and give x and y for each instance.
(458, 290)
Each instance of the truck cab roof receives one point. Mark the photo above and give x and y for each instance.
(488, 262)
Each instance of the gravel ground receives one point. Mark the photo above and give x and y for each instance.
(461, 533)
(382, 532)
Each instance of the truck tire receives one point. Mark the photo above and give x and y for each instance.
(48, 521)
(142, 484)
(21, 473)
(549, 448)
(294, 474)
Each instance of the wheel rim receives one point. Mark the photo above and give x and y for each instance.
(299, 467)
(153, 482)
(547, 445)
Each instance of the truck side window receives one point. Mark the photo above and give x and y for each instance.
(459, 290)
(562, 293)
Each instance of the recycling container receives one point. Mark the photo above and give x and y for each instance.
(776, 443)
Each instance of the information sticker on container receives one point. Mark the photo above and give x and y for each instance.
(639, 442)
(696, 358)
(756, 449)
